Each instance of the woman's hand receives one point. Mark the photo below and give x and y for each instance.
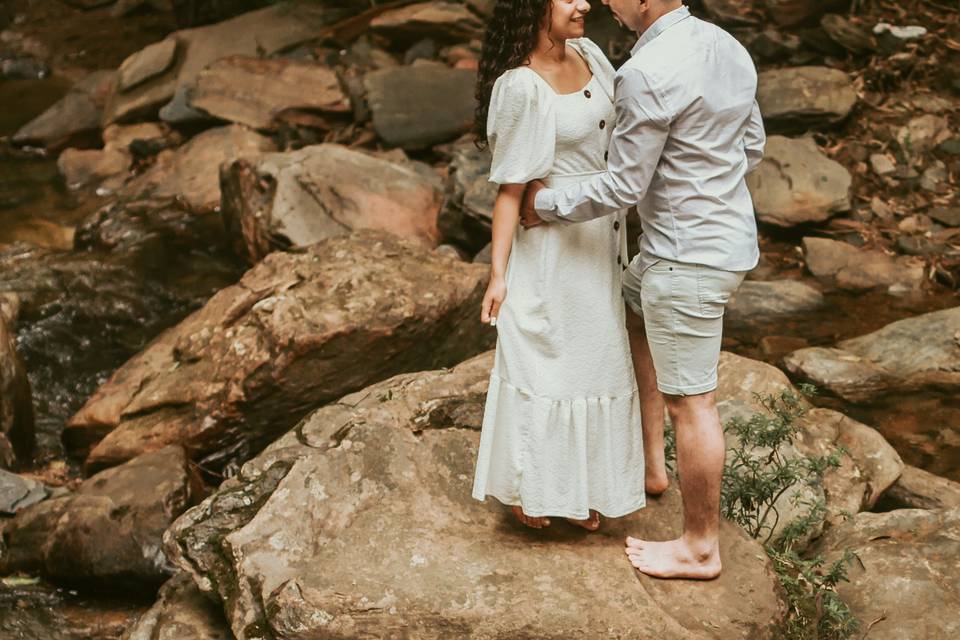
(492, 299)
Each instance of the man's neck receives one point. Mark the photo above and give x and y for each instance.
(656, 14)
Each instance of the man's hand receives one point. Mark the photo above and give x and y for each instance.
(528, 213)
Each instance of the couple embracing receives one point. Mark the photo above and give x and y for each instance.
(592, 350)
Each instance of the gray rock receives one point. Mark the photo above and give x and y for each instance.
(756, 302)
(298, 198)
(922, 133)
(349, 524)
(255, 92)
(108, 532)
(915, 550)
(916, 353)
(445, 21)
(467, 213)
(847, 267)
(19, 492)
(733, 12)
(919, 489)
(796, 183)
(847, 34)
(949, 216)
(419, 106)
(790, 13)
(181, 612)
(298, 330)
(882, 165)
(73, 120)
(143, 65)
(803, 97)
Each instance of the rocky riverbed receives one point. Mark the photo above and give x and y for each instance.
(241, 376)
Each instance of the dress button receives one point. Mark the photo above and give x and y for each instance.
(586, 92)
(606, 154)
(619, 260)
(603, 123)
(616, 225)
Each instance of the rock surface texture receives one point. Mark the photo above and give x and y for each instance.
(297, 331)
(301, 197)
(359, 522)
(916, 353)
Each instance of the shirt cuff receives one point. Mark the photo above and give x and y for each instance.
(545, 204)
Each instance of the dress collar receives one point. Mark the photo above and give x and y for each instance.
(662, 23)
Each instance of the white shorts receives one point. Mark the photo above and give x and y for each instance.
(682, 308)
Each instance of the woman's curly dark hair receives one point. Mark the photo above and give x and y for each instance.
(510, 38)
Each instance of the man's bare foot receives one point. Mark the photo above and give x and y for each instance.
(590, 524)
(656, 481)
(674, 558)
(530, 521)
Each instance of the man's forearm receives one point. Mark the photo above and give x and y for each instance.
(584, 201)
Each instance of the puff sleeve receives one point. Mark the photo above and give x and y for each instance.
(521, 129)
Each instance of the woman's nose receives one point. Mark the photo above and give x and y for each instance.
(583, 7)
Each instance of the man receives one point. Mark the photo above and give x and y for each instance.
(688, 130)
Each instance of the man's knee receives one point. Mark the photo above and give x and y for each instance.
(679, 406)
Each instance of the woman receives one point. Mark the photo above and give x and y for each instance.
(561, 430)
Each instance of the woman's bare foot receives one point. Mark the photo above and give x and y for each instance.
(677, 558)
(656, 481)
(590, 524)
(530, 521)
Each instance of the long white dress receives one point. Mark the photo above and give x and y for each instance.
(561, 429)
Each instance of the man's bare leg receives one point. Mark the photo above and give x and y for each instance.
(651, 406)
(700, 456)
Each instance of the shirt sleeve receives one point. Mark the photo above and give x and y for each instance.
(521, 130)
(642, 125)
(754, 138)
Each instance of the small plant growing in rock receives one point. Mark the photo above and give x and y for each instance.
(759, 472)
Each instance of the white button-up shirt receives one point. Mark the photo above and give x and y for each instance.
(687, 131)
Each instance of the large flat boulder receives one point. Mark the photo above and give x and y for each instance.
(444, 21)
(256, 91)
(919, 489)
(906, 576)
(107, 533)
(848, 267)
(152, 79)
(72, 120)
(796, 183)
(301, 197)
(360, 522)
(192, 172)
(789, 13)
(802, 97)
(417, 106)
(298, 330)
(762, 302)
(181, 612)
(916, 353)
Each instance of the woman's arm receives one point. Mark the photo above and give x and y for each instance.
(506, 212)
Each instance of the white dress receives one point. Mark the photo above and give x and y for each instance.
(561, 429)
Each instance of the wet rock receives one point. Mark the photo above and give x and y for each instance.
(124, 8)
(422, 105)
(757, 302)
(25, 68)
(919, 489)
(254, 91)
(19, 492)
(191, 172)
(182, 612)
(379, 484)
(16, 403)
(107, 533)
(802, 97)
(789, 13)
(867, 470)
(88, 4)
(922, 352)
(298, 330)
(302, 197)
(796, 183)
(447, 21)
(847, 267)
(82, 167)
(915, 550)
(72, 121)
(258, 33)
(467, 214)
(847, 34)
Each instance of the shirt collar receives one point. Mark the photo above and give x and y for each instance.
(662, 23)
